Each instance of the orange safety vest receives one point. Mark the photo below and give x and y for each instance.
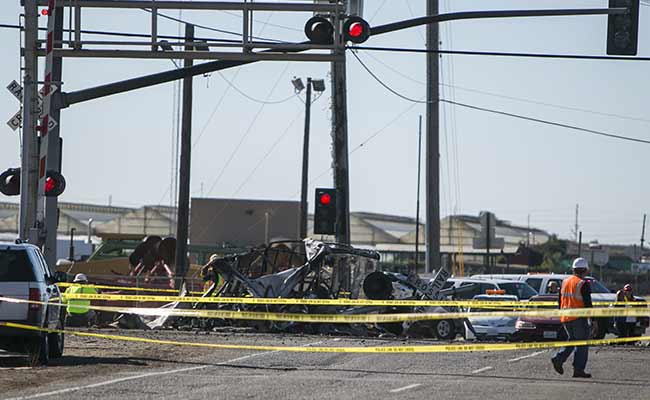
(571, 296)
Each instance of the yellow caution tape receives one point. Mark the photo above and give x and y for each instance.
(323, 302)
(440, 348)
(356, 318)
(131, 288)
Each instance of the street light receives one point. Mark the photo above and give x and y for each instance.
(319, 86)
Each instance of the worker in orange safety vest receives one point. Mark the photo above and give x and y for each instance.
(575, 293)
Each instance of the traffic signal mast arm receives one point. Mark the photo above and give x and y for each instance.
(83, 95)
(410, 23)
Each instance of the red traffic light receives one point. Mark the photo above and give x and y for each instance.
(356, 30)
(325, 199)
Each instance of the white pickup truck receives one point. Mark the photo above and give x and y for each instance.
(25, 275)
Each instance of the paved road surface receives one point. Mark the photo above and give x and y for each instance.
(95, 368)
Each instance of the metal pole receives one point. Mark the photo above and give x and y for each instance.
(266, 228)
(417, 202)
(305, 164)
(340, 150)
(71, 253)
(182, 226)
(54, 149)
(487, 243)
(643, 234)
(432, 150)
(579, 243)
(29, 153)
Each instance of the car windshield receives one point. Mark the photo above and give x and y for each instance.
(15, 266)
(597, 287)
(519, 289)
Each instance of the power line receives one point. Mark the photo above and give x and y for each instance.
(503, 96)
(251, 98)
(209, 28)
(499, 54)
(542, 121)
(248, 131)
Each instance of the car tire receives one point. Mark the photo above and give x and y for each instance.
(56, 342)
(39, 351)
(445, 329)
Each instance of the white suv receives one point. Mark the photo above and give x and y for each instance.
(24, 274)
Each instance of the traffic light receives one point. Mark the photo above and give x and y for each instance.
(623, 29)
(325, 212)
(10, 182)
(54, 184)
(356, 30)
(320, 30)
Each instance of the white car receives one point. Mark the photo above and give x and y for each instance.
(24, 275)
(491, 327)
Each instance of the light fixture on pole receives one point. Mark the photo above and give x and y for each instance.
(319, 86)
(297, 84)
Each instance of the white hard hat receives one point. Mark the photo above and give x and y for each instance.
(580, 263)
(80, 278)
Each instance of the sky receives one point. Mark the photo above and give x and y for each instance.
(120, 148)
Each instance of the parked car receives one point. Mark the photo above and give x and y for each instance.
(24, 274)
(491, 327)
(540, 328)
(481, 286)
(599, 293)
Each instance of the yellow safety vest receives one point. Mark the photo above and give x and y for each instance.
(78, 306)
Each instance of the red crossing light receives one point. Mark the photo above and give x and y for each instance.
(356, 30)
(325, 199)
(54, 184)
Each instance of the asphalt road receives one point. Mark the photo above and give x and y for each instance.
(96, 368)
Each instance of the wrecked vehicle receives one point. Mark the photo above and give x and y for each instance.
(311, 269)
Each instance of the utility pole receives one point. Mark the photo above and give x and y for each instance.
(432, 151)
(54, 148)
(417, 202)
(340, 146)
(643, 235)
(576, 227)
(305, 164)
(29, 151)
(579, 243)
(182, 226)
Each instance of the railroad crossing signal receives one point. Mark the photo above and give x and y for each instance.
(320, 30)
(16, 121)
(54, 184)
(356, 30)
(623, 29)
(10, 183)
(325, 212)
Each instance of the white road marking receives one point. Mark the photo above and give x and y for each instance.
(478, 371)
(94, 385)
(405, 388)
(150, 374)
(527, 356)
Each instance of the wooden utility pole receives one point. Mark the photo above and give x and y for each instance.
(432, 150)
(182, 227)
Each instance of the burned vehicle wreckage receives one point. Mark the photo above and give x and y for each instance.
(312, 269)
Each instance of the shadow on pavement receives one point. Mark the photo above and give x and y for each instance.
(66, 361)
